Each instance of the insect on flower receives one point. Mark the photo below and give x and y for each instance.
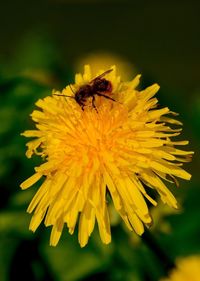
(98, 86)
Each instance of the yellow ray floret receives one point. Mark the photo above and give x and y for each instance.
(111, 148)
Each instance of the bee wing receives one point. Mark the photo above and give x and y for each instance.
(101, 75)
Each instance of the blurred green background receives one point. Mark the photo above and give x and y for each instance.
(43, 43)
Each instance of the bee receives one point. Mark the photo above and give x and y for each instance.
(99, 86)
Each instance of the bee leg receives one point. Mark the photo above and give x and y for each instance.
(107, 97)
(81, 105)
(93, 103)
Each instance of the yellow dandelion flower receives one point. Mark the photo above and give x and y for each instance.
(187, 269)
(106, 148)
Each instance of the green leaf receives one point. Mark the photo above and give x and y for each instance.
(15, 222)
(69, 262)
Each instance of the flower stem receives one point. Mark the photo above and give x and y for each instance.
(166, 262)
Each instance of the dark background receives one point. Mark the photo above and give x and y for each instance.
(41, 45)
(161, 37)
